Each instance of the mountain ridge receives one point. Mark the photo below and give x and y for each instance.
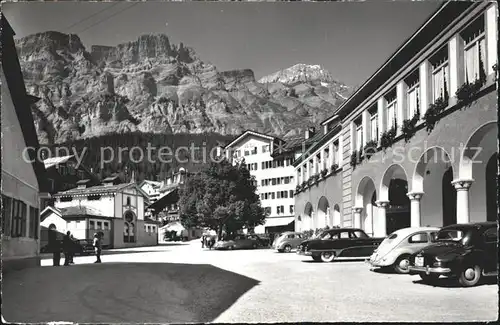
(152, 85)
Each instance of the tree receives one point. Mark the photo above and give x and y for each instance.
(221, 197)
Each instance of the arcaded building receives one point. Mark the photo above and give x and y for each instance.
(416, 144)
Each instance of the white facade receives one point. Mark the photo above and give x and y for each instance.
(274, 177)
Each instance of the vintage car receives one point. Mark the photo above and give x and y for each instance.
(287, 241)
(465, 251)
(342, 243)
(238, 242)
(396, 249)
(84, 247)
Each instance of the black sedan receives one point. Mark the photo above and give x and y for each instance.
(465, 251)
(343, 243)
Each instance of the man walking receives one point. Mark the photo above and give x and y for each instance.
(67, 248)
(97, 247)
(54, 247)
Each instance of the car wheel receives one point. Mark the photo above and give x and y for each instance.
(254, 246)
(231, 247)
(280, 250)
(470, 276)
(428, 278)
(327, 257)
(288, 248)
(317, 258)
(401, 264)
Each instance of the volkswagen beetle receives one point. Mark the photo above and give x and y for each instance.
(397, 248)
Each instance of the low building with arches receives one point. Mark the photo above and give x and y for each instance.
(114, 210)
(416, 144)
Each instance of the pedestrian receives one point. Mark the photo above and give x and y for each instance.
(97, 247)
(67, 248)
(203, 241)
(74, 246)
(212, 242)
(54, 247)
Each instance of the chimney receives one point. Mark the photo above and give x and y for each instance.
(309, 133)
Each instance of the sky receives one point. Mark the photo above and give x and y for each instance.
(349, 39)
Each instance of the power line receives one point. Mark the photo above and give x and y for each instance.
(103, 20)
(93, 15)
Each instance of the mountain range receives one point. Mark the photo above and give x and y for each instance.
(153, 86)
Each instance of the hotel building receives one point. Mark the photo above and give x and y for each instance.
(416, 144)
(274, 177)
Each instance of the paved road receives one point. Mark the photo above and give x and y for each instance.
(183, 283)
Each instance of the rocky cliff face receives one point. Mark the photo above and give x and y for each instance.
(151, 85)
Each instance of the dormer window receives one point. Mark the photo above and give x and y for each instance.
(413, 94)
(474, 50)
(440, 74)
(391, 109)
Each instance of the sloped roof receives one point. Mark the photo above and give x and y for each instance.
(250, 132)
(52, 161)
(99, 189)
(11, 68)
(81, 211)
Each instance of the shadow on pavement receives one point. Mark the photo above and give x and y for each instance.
(121, 292)
(453, 282)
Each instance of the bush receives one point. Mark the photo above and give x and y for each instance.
(370, 148)
(431, 116)
(388, 137)
(409, 126)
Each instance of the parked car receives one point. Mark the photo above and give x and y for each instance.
(238, 242)
(264, 240)
(84, 247)
(344, 243)
(465, 251)
(287, 241)
(396, 249)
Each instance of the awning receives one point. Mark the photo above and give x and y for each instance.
(173, 226)
(278, 221)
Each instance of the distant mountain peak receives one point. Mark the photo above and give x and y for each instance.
(300, 73)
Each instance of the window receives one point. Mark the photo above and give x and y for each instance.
(413, 93)
(106, 225)
(6, 214)
(19, 212)
(291, 208)
(128, 200)
(254, 151)
(418, 238)
(34, 221)
(91, 224)
(359, 135)
(63, 170)
(265, 148)
(344, 234)
(358, 234)
(99, 225)
(247, 153)
(291, 193)
(491, 235)
(440, 74)
(474, 50)
(391, 109)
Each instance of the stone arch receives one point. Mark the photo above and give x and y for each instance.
(323, 212)
(478, 168)
(431, 181)
(471, 150)
(393, 189)
(336, 216)
(364, 209)
(308, 216)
